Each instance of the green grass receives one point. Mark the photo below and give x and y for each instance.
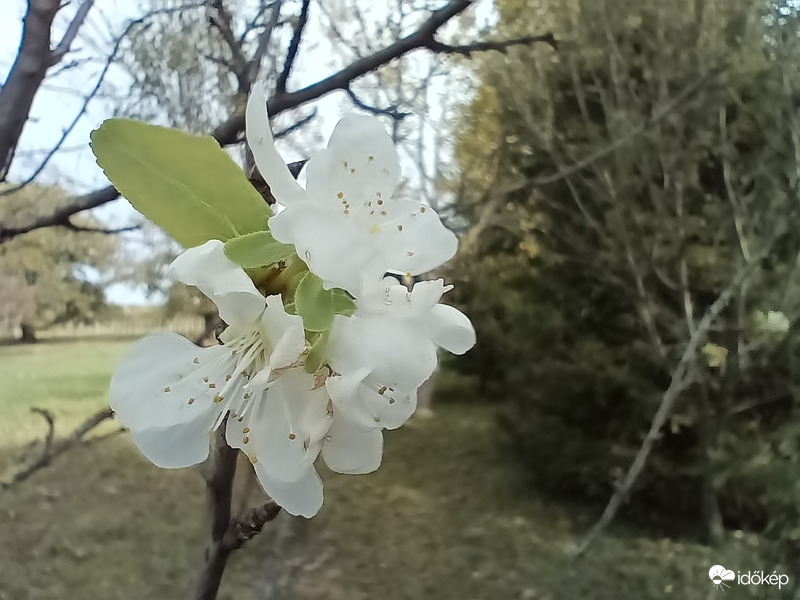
(445, 517)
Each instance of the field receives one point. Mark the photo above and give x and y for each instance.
(445, 517)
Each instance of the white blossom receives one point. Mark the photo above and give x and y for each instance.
(346, 224)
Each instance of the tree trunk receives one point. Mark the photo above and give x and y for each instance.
(28, 333)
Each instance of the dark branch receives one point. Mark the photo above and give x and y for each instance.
(25, 77)
(294, 46)
(71, 32)
(499, 46)
(264, 39)
(220, 18)
(391, 111)
(53, 448)
(79, 228)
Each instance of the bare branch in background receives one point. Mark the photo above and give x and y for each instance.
(499, 46)
(54, 448)
(220, 18)
(30, 67)
(80, 229)
(390, 111)
(229, 132)
(682, 377)
(294, 46)
(90, 96)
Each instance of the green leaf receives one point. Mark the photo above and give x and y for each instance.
(314, 303)
(257, 250)
(343, 304)
(317, 353)
(185, 184)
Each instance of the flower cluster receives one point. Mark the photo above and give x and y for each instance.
(287, 393)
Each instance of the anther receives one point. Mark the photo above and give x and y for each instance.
(292, 436)
(246, 440)
(212, 385)
(370, 158)
(247, 396)
(191, 400)
(344, 163)
(246, 430)
(167, 389)
(205, 379)
(380, 202)
(227, 377)
(218, 399)
(340, 195)
(421, 209)
(383, 212)
(399, 228)
(382, 390)
(196, 360)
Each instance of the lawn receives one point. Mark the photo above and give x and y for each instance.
(445, 517)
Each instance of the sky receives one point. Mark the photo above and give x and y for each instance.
(61, 97)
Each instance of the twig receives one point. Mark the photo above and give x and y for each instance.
(81, 229)
(227, 533)
(680, 380)
(71, 32)
(294, 46)
(499, 45)
(54, 448)
(391, 111)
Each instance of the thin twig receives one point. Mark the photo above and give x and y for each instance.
(54, 448)
(294, 46)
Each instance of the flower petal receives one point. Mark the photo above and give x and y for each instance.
(370, 404)
(222, 280)
(335, 248)
(350, 448)
(159, 393)
(450, 329)
(285, 333)
(302, 497)
(273, 169)
(361, 163)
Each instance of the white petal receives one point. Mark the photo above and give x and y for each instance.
(361, 162)
(399, 354)
(417, 241)
(285, 333)
(151, 392)
(450, 329)
(334, 248)
(273, 169)
(370, 404)
(302, 497)
(222, 280)
(350, 448)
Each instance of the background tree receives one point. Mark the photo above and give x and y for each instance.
(55, 275)
(639, 170)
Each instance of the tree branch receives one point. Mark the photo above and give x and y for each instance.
(294, 46)
(53, 448)
(229, 131)
(72, 31)
(25, 77)
(499, 46)
(227, 533)
(680, 380)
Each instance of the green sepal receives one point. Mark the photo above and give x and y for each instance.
(316, 355)
(343, 304)
(314, 303)
(185, 184)
(257, 249)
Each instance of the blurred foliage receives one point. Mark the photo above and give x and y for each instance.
(51, 275)
(588, 281)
